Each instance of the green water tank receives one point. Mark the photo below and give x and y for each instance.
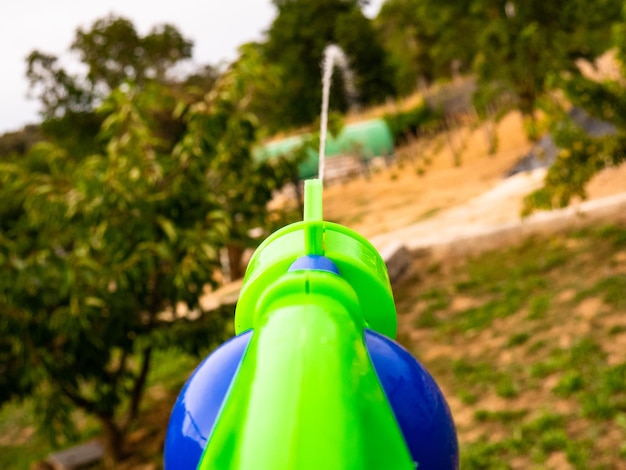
(368, 139)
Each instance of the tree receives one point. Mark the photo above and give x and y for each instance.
(399, 28)
(295, 43)
(421, 41)
(92, 253)
(262, 83)
(243, 187)
(581, 155)
(114, 53)
(523, 43)
(514, 45)
(97, 253)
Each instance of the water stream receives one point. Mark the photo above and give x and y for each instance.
(333, 55)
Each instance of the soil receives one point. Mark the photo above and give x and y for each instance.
(425, 184)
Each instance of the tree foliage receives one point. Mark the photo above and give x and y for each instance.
(524, 43)
(98, 252)
(114, 53)
(517, 45)
(92, 253)
(526, 50)
(242, 186)
(581, 155)
(295, 43)
(427, 40)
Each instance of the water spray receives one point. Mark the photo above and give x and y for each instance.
(333, 56)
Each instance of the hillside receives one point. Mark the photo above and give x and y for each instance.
(529, 346)
(527, 342)
(424, 182)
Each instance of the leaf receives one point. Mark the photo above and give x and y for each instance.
(168, 228)
(95, 302)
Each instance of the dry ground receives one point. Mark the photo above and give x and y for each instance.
(425, 182)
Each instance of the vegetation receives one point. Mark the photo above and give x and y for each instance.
(529, 51)
(528, 346)
(101, 246)
(526, 342)
(582, 155)
(412, 123)
(293, 53)
(114, 211)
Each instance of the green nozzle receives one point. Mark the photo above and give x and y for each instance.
(313, 217)
(313, 201)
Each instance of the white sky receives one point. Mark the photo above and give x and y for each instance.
(217, 28)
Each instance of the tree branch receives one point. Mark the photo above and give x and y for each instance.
(120, 369)
(138, 388)
(89, 406)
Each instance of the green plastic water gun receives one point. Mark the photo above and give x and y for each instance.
(313, 379)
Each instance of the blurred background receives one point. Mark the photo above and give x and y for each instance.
(147, 148)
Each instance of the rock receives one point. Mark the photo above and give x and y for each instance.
(398, 259)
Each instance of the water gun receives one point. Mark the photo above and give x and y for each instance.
(313, 380)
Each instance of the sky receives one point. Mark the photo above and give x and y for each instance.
(217, 28)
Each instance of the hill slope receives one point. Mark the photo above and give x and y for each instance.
(529, 347)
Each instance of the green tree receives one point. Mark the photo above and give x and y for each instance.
(114, 53)
(516, 44)
(399, 29)
(92, 253)
(522, 44)
(581, 155)
(262, 83)
(295, 43)
(97, 253)
(423, 39)
(243, 187)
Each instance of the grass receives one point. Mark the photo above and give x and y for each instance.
(21, 445)
(611, 289)
(529, 345)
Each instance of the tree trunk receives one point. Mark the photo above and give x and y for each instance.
(138, 389)
(235, 262)
(113, 441)
(456, 153)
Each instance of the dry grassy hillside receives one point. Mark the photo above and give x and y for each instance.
(425, 180)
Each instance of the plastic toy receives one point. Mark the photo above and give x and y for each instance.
(313, 379)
